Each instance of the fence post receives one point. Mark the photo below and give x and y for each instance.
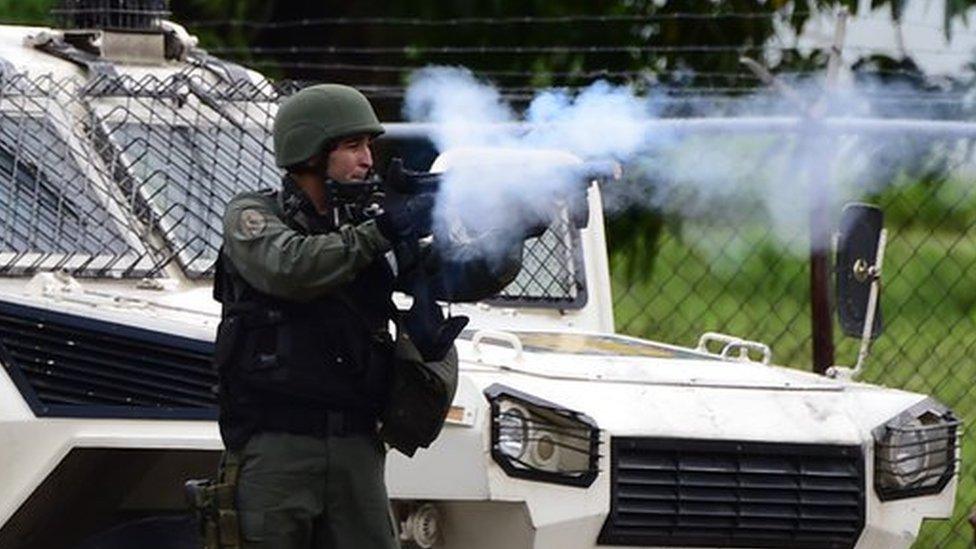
(820, 230)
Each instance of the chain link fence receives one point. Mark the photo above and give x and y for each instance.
(735, 274)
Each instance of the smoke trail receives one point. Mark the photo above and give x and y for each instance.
(769, 176)
(463, 106)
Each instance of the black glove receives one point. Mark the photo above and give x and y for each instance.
(431, 333)
(403, 221)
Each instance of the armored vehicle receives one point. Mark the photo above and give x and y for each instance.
(120, 144)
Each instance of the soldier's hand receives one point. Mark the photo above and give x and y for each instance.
(406, 220)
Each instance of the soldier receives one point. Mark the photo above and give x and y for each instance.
(304, 351)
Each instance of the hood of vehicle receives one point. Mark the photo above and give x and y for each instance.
(687, 395)
(611, 358)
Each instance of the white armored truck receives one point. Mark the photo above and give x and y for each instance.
(118, 152)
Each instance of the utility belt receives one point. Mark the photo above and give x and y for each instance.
(318, 423)
(214, 504)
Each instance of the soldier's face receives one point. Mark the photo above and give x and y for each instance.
(351, 160)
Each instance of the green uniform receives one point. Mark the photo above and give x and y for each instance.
(304, 353)
(298, 488)
(302, 490)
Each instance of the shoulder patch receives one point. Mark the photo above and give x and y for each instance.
(252, 222)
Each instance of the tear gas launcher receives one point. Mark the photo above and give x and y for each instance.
(365, 199)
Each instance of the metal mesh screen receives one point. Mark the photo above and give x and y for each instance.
(121, 176)
(56, 210)
(552, 271)
(182, 149)
(42, 217)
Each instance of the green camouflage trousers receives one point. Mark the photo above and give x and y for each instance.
(301, 492)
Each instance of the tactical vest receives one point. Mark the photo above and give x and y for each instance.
(284, 365)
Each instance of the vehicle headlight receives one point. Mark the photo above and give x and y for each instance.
(915, 452)
(539, 440)
(513, 430)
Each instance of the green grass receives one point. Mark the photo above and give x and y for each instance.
(741, 282)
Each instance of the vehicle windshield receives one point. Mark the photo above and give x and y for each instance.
(180, 148)
(52, 214)
(186, 175)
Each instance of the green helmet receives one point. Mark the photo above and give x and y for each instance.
(316, 115)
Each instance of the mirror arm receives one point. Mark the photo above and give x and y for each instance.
(875, 274)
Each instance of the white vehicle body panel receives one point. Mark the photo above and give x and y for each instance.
(693, 399)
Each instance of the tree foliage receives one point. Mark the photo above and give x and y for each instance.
(662, 36)
(30, 12)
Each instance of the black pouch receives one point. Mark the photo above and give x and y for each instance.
(419, 400)
(260, 365)
(228, 340)
(260, 342)
(419, 393)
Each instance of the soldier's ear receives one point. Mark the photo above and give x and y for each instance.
(299, 169)
(316, 164)
(312, 166)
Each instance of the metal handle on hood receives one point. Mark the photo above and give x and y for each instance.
(508, 337)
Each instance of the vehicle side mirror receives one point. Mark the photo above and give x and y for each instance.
(857, 267)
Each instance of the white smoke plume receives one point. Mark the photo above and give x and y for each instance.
(776, 177)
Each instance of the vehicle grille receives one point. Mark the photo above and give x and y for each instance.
(677, 492)
(66, 365)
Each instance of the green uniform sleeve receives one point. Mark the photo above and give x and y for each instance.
(285, 263)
